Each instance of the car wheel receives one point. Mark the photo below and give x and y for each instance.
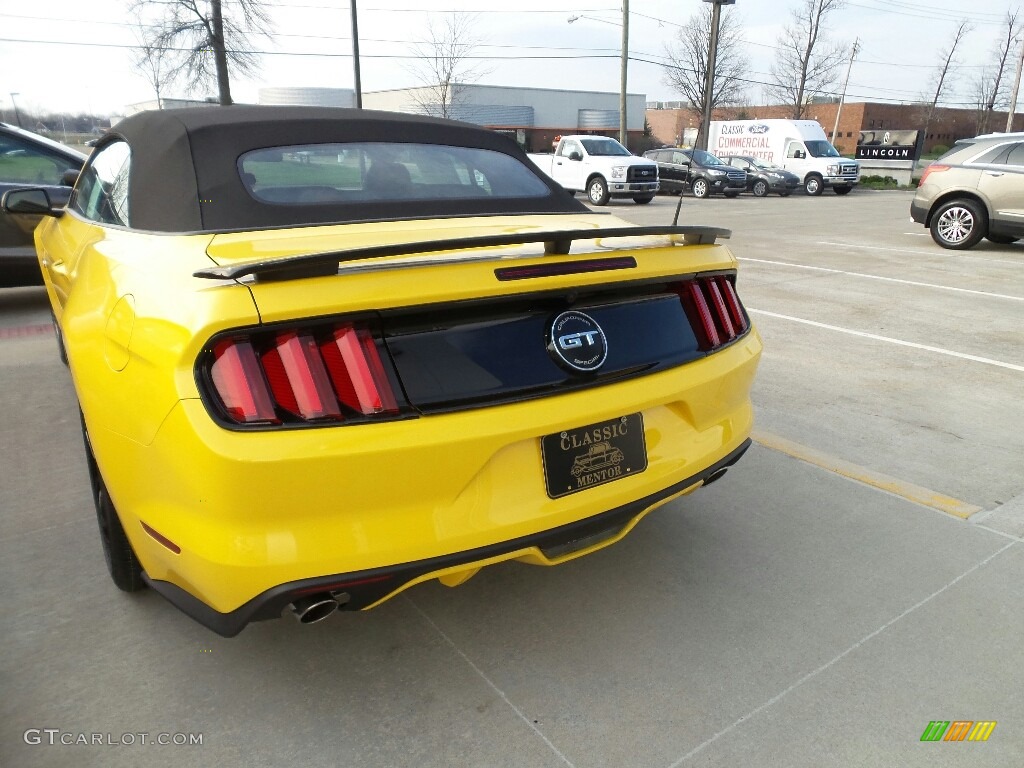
(760, 188)
(61, 349)
(784, 193)
(842, 190)
(958, 224)
(643, 199)
(597, 191)
(122, 564)
(813, 185)
(700, 188)
(1001, 239)
(731, 194)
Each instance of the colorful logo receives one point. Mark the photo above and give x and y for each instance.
(958, 730)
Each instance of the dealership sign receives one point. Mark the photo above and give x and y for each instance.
(889, 145)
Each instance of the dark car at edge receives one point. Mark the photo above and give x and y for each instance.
(30, 160)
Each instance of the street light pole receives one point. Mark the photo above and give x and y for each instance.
(622, 73)
(709, 82)
(622, 65)
(355, 56)
(17, 117)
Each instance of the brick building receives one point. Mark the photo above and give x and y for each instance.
(668, 126)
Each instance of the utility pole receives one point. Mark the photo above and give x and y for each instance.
(709, 82)
(355, 56)
(1016, 87)
(846, 82)
(622, 73)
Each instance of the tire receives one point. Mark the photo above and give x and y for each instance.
(700, 188)
(731, 194)
(122, 564)
(813, 185)
(1001, 239)
(958, 224)
(643, 199)
(760, 188)
(784, 193)
(597, 191)
(842, 190)
(59, 334)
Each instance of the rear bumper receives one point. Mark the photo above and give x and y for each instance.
(919, 213)
(258, 516)
(361, 589)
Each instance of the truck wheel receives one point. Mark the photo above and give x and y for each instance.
(597, 191)
(842, 190)
(958, 224)
(813, 185)
(643, 199)
(760, 188)
(700, 188)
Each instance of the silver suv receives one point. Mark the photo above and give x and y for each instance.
(975, 190)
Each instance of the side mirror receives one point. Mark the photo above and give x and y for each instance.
(800, 154)
(575, 155)
(30, 201)
(70, 177)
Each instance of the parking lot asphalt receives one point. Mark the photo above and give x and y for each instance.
(853, 579)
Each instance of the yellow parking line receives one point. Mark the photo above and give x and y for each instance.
(908, 491)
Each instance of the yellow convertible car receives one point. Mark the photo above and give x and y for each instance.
(323, 355)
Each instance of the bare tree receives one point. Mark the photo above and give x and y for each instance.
(207, 39)
(990, 89)
(806, 62)
(686, 72)
(155, 64)
(941, 76)
(445, 63)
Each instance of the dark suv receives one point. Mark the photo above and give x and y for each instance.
(29, 160)
(700, 171)
(975, 190)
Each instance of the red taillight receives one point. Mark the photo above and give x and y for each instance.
(239, 383)
(357, 372)
(697, 306)
(933, 168)
(321, 374)
(714, 310)
(732, 301)
(298, 379)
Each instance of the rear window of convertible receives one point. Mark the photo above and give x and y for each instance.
(344, 173)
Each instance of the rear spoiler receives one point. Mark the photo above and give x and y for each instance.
(556, 242)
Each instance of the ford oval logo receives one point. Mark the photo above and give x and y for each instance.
(758, 129)
(577, 342)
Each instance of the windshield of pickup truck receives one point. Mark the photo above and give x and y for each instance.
(821, 149)
(605, 147)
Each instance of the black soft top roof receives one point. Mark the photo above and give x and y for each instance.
(185, 178)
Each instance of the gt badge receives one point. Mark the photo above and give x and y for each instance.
(577, 342)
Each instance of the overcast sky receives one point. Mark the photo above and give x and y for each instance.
(532, 46)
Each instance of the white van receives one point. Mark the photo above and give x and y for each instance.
(800, 146)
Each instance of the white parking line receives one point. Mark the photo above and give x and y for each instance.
(836, 659)
(900, 342)
(887, 279)
(923, 253)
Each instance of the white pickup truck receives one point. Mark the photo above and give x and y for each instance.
(601, 167)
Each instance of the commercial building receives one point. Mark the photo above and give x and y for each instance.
(670, 123)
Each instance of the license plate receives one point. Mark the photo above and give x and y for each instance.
(582, 458)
